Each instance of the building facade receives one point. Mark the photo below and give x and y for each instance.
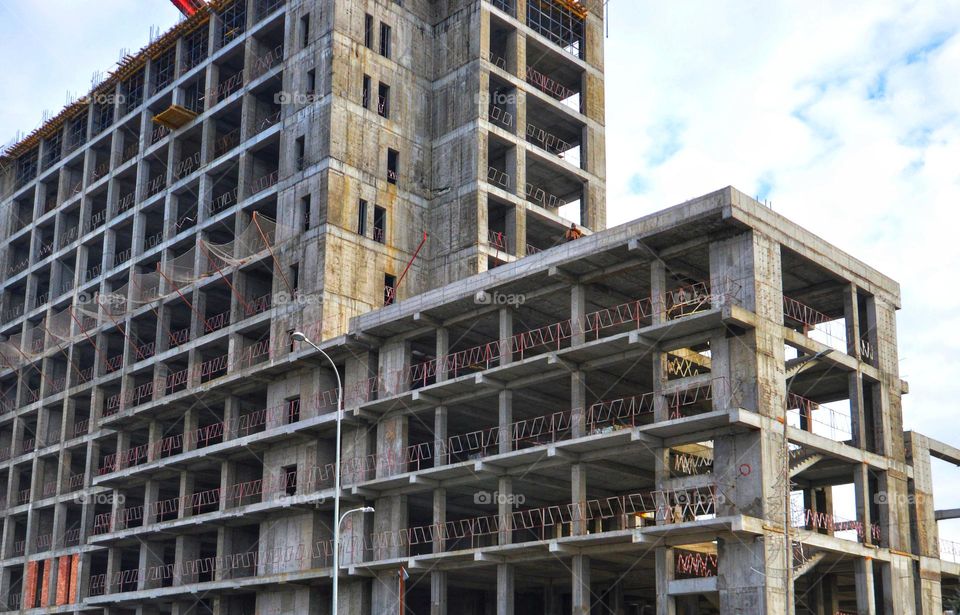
(654, 418)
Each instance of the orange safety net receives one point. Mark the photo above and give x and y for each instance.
(63, 579)
(45, 583)
(30, 592)
(74, 582)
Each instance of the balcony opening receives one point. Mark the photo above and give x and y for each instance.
(129, 134)
(293, 409)
(555, 76)
(379, 223)
(555, 133)
(393, 165)
(305, 215)
(187, 153)
(289, 477)
(389, 289)
(383, 100)
(501, 108)
(502, 37)
(268, 49)
(300, 152)
(265, 167)
(224, 193)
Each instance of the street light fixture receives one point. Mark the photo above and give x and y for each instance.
(788, 543)
(299, 336)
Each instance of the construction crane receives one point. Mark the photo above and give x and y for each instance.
(188, 7)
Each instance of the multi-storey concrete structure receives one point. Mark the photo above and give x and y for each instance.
(596, 426)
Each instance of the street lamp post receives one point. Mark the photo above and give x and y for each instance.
(797, 368)
(299, 336)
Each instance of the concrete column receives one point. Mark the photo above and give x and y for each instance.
(578, 309)
(224, 550)
(186, 490)
(666, 570)
(390, 516)
(505, 411)
(516, 230)
(191, 419)
(578, 495)
(578, 404)
(658, 316)
(228, 478)
(858, 418)
(924, 522)
(150, 558)
(441, 454)
(111, 578)
(506, 335)
(752, 573)
(59, 526)
(851, 314)
(231, 416)
(438, 592)
(580, 597)
(385, 597)
(504, 501)
(442, 350)
(505, 589)
(123, 445)
(863, 577)
(187, 550)
(151, 495)
(829, 594)
(861, 494)
(155, 434)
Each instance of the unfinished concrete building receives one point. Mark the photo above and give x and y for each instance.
(662, 417)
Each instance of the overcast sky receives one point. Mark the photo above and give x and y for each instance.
(845, 115)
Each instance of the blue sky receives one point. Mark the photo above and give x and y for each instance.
(844, 115)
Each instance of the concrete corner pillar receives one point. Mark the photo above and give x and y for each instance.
(580, 596)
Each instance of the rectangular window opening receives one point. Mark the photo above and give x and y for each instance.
(293, 409)
(366, 91)
(384, 40)
(295, 278)
(389, 288)
(368, 32)
(301, 147)
(305, 212)
(290, 479)
(393, 165)
(362, 218)
(305, 30)
(383, 100)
